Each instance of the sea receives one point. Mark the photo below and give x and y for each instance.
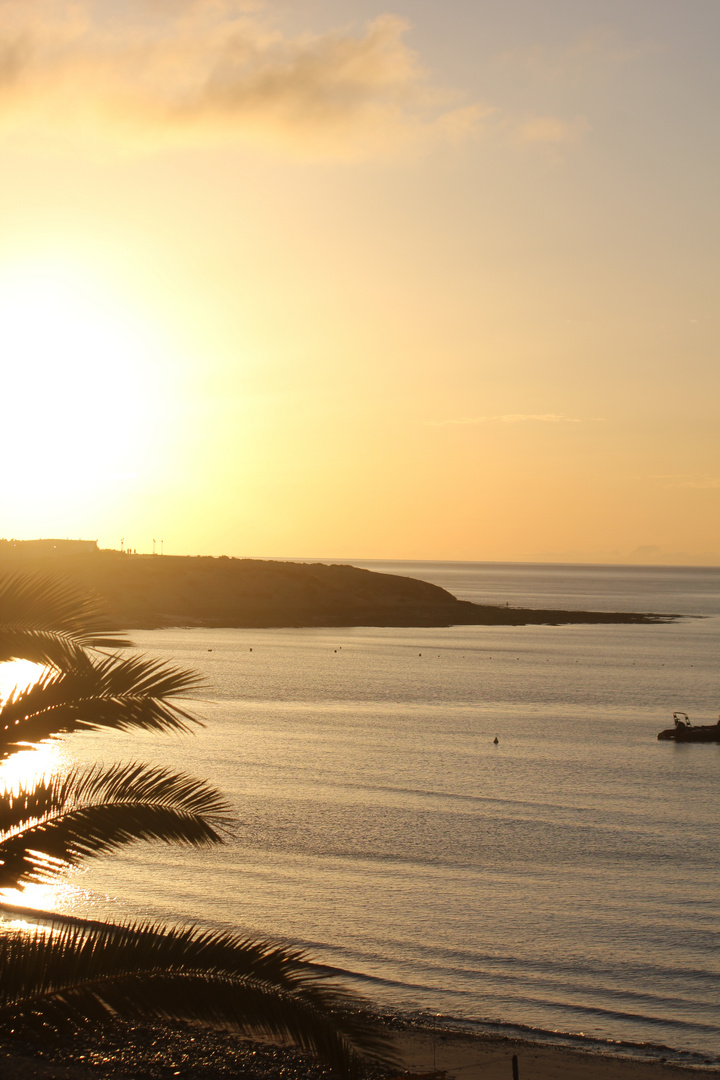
(473, 825)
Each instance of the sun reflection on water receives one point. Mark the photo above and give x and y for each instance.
(18, 675)
(33, 897)
(24, 769)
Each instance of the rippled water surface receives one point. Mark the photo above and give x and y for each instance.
(564, 879)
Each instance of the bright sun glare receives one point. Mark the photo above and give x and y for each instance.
(22, 770)
(28, 765)
(80, 380)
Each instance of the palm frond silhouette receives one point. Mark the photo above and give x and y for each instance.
(77, 974)
(120, 692)
(49, 621)
(65, 820)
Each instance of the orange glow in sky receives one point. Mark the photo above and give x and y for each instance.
(333, 279)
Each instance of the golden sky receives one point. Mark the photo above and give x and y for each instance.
(326, 278)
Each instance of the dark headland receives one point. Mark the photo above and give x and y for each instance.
(154, 591)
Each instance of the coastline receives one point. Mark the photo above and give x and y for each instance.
(477, 1056)
(149, 592)
(441, 1048)
(127, 1051)
(497, 1048)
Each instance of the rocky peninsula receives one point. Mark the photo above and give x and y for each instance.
(155, 591)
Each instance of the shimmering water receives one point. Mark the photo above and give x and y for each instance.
(564, 880)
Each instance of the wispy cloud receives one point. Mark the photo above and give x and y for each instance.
(685, 480)
(217, 70)
(551, 129)
(508, 418)
(600, 50)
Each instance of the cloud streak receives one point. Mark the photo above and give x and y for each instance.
(507, 418)
(685, 480)
(551, 129)
(596, 52)
(213, 71)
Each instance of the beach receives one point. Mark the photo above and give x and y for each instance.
(153, 1052)
(482, 1057)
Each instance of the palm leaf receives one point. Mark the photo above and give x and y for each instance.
(115, 691)
(77, 975)
(48, 621)
(65, 820)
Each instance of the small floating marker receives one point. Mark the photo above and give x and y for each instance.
(496, 740)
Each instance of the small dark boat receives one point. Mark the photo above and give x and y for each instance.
(685, 732)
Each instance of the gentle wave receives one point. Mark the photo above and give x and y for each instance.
(646, 1049)
(563, 881)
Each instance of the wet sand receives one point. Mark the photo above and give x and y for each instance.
(154, 1052)
(476, 1057)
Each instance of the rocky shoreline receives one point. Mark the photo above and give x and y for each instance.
(132, 1051)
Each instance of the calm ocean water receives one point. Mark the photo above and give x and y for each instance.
(564, 882)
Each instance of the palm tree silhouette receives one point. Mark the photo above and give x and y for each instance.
(88, 972)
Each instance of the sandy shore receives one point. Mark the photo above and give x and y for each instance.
(477, 1057)
(155, 1052)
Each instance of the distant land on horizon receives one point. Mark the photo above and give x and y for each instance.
(154, 591)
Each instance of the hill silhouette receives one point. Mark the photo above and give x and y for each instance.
(154, 591)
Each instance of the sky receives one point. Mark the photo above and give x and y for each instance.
(348, 279)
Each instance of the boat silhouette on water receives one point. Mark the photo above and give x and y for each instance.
(683, 731)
